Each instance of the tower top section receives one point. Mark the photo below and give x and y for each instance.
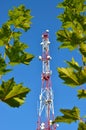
(45, 38)
(45, 35)
(45, 58)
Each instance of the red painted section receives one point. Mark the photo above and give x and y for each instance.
(45, 35)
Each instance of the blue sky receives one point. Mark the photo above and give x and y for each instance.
(44, 14)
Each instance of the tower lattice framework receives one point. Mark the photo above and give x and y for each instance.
(46, 107)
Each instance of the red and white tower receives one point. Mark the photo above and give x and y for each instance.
(46, 108)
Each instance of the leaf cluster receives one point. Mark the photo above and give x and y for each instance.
(72, 35)
(14, 53)
(20, 17)
(73, 32)
(73, 75)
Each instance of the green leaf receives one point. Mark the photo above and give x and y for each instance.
(26, 58)
(69, 116)
(3, 66)
(73, 75)
(69, 39)
(74, 64)
(69, 76)
(83, 60)
(17, 55)
(16, 35)
(20, 17)
(82, 76)
(82, 126)
(83, 49)
(81, 93)
(5, 34)
(13, 94)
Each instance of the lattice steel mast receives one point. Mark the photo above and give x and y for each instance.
(46, 108)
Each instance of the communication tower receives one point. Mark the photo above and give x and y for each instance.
(46, 107)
